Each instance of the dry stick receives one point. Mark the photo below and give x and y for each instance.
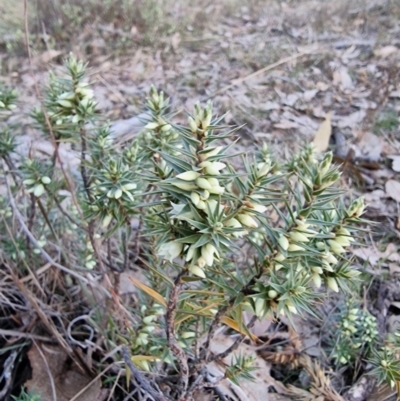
(198, 382)
(140, 379)
(27, 265)
(25, 229)
(91, 383)
(214, 325)
(260, 71)
(172, 342)
(47, 322)
(51, 379)
(15, 333)
(234, 346)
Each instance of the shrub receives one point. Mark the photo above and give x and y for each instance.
(217, 233)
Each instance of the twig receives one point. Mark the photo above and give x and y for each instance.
(260, 71)
(85, 178)
(214, 325)
(172, 342)
(51, 379)
(234, 346)
(66, 214)
(25, 229)
(77, 395)
(141, 380)
(15, 333)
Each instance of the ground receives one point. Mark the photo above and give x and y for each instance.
(289, 73)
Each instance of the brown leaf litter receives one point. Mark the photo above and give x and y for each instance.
(55, 378)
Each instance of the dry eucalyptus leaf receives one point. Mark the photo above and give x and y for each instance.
(392, 188)
(321, 139)
(373, 255)
(49, 55)
(395, 162)
(352, 120)
(248, 390)
(342, 78)
(386, 51)
(68, 379)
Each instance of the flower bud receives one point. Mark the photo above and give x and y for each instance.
(209, 152)
(129, 187)
(29, 181)
(38, 190)
(353, 273)
(217, 190)
(65, 103)
(195, 198)
(207, 252)
(259, 208)
(148, 319)
(192, 124)
(283, 242)
(325, 164)
(106, 221)
(295, 248)
(330, 258)
(201, 205)
(190, 253)
(188, 175)
(317, 280)
(46, 180)
(280, 256)
(272, 294)
(344, 241)
(117, 193)
(197, 271)
(317, 270)
(188, 334)
(201, 262)
(166, 127)
(203, 183)
(186, 186)
(290, 306)
(170, 250)
(298, 237)
(263, 169)
(151, 125)
(335, 247)
(344, 231)
(247, 220)
(259, 307)
(332, 284)
(212, 168)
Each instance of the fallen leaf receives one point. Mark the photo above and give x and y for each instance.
(392, 188)
(342, 77)
(149, 291)
(255, 390)
(386, 51)
(68, 380)
(373, 255)
(394, 268)
(49, 55)
(351, 120)
(309, 95)
(321, 139)
(176, 40)
(368, 147)
(395, 162)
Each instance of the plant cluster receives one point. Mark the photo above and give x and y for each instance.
(356, 334)
(218, 233)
